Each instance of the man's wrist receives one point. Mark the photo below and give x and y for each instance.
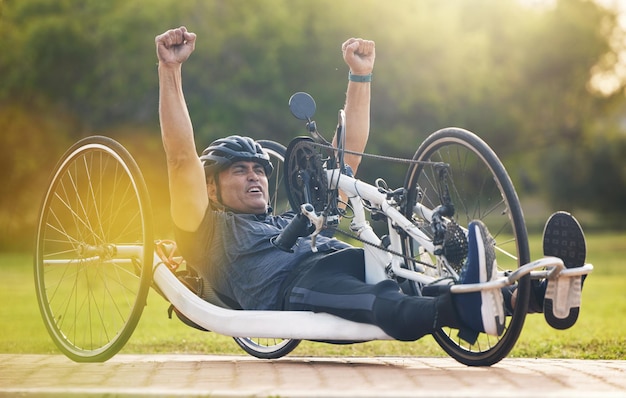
(359, 78)
(169, 65)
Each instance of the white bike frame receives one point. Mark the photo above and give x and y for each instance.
(304, 325)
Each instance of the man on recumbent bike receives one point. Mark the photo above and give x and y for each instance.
(219, 206)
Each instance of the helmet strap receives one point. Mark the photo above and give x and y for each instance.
(218, 203)
(218, 190)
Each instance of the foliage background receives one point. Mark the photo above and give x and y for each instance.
(541, 81)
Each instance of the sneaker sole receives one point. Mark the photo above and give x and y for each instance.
(563, 237)
(492, 303)
(492, 308)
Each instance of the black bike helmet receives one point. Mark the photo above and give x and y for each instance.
(226, 151)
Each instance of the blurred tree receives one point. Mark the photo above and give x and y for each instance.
(517, 75)
(32, 140)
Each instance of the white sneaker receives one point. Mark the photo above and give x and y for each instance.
(481, 311)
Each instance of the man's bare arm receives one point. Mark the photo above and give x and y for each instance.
(359, 54)
(189, 198)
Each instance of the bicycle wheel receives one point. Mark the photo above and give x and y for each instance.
(272, 348)
(94, 250)
(479, 188)
(266, 348)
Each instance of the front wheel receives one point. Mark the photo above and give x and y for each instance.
(479, 188)
(94, 250)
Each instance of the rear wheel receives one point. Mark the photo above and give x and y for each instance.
(479, 188)
(94, 250)
(266, 348)
(271, 348)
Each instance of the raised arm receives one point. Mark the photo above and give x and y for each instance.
(188, 192)
(359, 54)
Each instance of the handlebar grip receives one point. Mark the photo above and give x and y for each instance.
(299, 226)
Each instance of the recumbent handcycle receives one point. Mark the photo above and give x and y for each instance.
(96, 257)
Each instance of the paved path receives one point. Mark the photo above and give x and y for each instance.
(243, 376)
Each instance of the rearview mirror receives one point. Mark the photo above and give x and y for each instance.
(302, 106)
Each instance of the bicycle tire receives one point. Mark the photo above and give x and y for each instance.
(267, 348)
(272, 348)
(481, 189)
(93, 250)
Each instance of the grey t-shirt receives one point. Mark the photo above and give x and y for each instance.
(234, 253)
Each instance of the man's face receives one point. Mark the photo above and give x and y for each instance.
(243, 187)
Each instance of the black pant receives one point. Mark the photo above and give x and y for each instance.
(335, 284)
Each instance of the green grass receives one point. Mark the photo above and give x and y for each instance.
(599, 334)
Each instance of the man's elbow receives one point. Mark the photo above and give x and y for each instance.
(182, 161)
